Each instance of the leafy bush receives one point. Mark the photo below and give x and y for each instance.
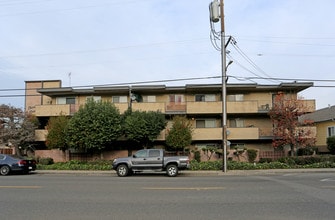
(287, 160)
(197, 156)
(78, 165)
(306, 151)
(252, 154)
(265, 160)
(331, 144)
(45, 161)
(282, 163)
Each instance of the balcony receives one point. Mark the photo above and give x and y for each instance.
(309, 104)
(243, 133)
(55, 110)
(122, 106)
(176, 107)
(41, 134)
(204, 107)
(242, 107)
(149, 106)
(207, 134)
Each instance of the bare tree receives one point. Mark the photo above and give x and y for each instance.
(286, 128)
(16, 127)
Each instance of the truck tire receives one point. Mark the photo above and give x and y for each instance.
(4, 170)
(172, 170)
(122, 170)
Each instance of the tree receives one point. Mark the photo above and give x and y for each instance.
(94, 126)
(16, 127)
(57, 132)
(144, 127)
(286, 128)
(180, 134)
(331, 144)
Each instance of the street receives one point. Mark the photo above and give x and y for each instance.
(71, 196)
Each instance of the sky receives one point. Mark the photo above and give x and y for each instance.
(110, 42)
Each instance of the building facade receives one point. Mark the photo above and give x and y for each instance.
(248, 123)
(324, 120)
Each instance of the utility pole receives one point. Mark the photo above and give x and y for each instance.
(215, 16)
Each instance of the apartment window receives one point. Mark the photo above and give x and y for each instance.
(149, 98)
(95, 98)
(205, 98)
(331, 131)
(235, 98)
(65, 100)
(236, 123)
(205, 123)
(176, 98)
(119, 99)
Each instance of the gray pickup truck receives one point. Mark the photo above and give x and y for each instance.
(150, 160)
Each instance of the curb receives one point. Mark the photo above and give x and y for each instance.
(194, 173)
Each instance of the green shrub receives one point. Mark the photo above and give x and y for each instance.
(306, 151)
(265, 160)
(331, 144)
(46, 161)
(252, 154)
(287, 160)
(197, 156)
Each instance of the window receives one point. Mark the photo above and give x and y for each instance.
(65, 100)
(205, 123)
(95, 98)
(236, 123)
(141, 154)
(149, 98)
(205, 98)
(154, 153)
(176, 98)
(119, 99)
(331, 131)
(235, 98)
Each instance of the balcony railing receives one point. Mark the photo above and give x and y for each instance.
(243, 133)
(242, 107)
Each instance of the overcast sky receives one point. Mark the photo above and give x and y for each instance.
(99, 42)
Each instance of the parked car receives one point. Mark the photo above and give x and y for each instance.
(11, 163)
(150, 160)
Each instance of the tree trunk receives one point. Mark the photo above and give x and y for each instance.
(292, 150)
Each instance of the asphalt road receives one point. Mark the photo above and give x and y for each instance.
(295, 195)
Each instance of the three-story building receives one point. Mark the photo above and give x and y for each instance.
(248, 122)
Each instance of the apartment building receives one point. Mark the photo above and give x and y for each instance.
(248, 123)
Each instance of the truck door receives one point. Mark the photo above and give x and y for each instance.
(139, 159)
(155, 159)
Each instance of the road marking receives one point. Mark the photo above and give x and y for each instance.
(328, 187)
(20, 187)
(327, 180)
(183, 188)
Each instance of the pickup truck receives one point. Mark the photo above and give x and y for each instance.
(150, 160)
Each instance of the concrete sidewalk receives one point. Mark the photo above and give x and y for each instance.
(195, 173)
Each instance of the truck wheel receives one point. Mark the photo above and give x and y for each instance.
(4, 170)
(172, 170)
(122, 170)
